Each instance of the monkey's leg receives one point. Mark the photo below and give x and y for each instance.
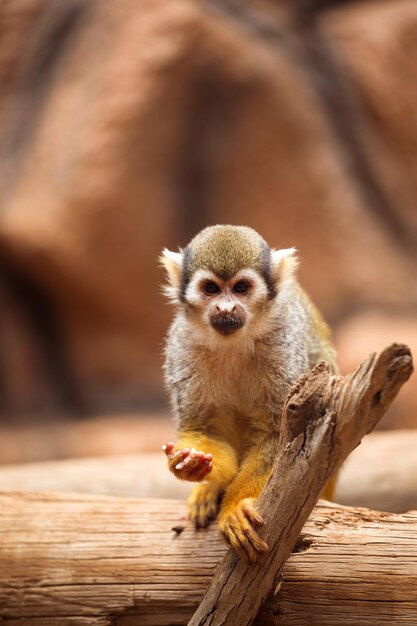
(238, 516)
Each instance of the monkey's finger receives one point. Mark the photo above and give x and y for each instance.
(183, 461)
(252, 514)
(254, 539)
(233, 535)
(239, 543)
(203, 457)
(168, 448)
(205, 499)
(193, 463)
(248, 553)
(230, 536)
(191, 467)
(180, 455)
(212, 507)
(247, 534)
(198, 517)
(206, 469)
(196, 454)
(175, 461)
(255, 518)
(202, 512)
(175, 455)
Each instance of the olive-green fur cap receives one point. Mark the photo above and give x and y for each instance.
(225, 250)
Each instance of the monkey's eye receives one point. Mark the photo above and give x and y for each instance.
(211, 288)
(241, 287)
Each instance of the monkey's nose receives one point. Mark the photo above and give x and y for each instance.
(224, 310)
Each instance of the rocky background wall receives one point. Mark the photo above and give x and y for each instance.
(127, 126)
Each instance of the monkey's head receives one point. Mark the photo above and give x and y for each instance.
(226, 281)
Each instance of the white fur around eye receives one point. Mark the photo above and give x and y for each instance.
(258, 288)
(194, 292)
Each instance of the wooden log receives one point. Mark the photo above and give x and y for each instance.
(74, 560)
(381, 473)
(133, 476)
(324, 419)
(95, 436)
(388, 483)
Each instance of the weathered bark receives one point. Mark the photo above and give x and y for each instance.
(73, 560)
(324, 419)
(388, 483)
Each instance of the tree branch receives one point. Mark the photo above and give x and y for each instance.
(324, 419)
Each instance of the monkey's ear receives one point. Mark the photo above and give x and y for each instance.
(172, 262)
(283, 263)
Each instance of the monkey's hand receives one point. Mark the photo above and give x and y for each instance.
(188, 464)
(203, 504)
(237, 523)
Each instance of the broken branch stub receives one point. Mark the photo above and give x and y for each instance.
(324, 419)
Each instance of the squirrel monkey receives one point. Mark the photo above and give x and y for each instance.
(243, 333)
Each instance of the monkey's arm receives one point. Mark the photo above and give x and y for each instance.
(198, 439)
(188, 465)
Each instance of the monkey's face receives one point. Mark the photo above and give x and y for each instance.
(226, 307)
(226, 282)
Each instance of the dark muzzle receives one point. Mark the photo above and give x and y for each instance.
(226, 323)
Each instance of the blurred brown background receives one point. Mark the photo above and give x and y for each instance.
(128, 126)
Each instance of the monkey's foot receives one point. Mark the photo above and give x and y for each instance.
(188, 464)
(203, 504)
(237, 527)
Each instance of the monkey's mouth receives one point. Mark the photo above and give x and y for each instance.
(226, 324)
